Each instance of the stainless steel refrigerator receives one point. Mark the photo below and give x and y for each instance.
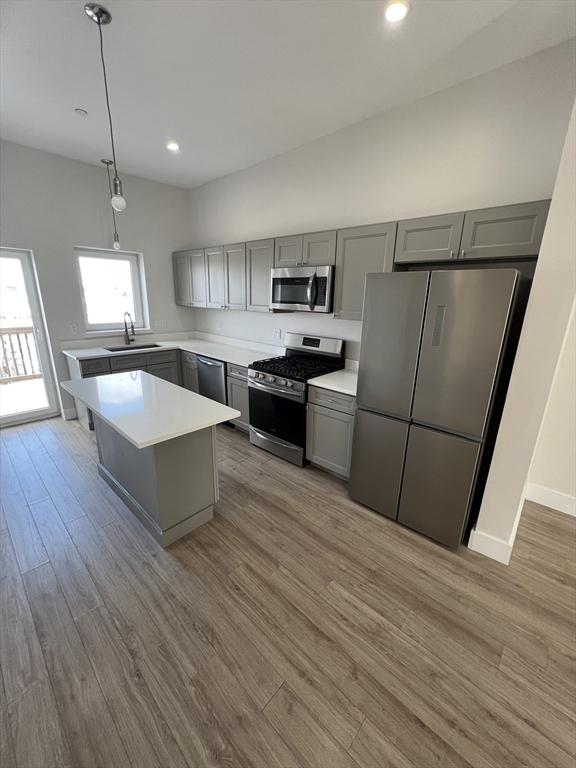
(436, 354)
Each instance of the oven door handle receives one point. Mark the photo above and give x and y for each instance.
(276, 440)
(272, 390)
(312, 291)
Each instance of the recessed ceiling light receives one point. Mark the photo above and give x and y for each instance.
(80, 112)
(173, 146)
(396, 10)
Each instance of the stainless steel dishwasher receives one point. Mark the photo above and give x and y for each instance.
(212, 378)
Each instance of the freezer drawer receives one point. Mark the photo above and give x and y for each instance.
(464, 332)
(437, 486)
(378, 450)
(394, 307)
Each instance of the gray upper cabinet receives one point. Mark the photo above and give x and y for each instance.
(505, 232)
(319, 249)
(259, 262)
(360, 250)
(182, 278)
(434, 238)
(198, 278)
(235, 276)
(288, 251)
(215, 283)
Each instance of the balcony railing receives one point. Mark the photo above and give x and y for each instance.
(19, 355)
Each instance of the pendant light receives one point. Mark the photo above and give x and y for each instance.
(100, 15)
(116, 243)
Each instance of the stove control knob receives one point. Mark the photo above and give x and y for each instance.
(259, 375)
(289, 384)
(281, 382)
(271, 379)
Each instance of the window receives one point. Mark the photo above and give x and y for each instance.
(112, 282)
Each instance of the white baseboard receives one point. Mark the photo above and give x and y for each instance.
(561, 502)
(485, 544)
(69, 413)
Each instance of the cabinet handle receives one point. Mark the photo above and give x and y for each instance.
(451, 254)
(462, 253)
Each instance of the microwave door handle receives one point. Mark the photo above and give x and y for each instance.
(312, 291)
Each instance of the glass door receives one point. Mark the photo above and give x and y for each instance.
(27, 388)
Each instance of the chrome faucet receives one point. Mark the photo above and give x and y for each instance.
(127, 338)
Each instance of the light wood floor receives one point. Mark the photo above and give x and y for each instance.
(296, 629)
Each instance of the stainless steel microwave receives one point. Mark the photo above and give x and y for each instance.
(302, 289)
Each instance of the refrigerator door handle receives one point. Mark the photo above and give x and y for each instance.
(438, 325)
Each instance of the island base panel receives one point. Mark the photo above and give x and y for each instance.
(171, 486)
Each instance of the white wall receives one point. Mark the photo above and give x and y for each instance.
(50, 204)
(543, 334)
(493, 140)
(552, 477)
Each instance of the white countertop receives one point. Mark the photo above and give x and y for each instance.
(343, 381)
(145, 409)
(238, 355)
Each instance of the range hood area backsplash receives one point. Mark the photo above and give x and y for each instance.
(261, 326)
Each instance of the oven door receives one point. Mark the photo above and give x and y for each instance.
(278, 421)
(302, 289)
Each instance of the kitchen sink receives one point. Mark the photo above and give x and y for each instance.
(130, 346)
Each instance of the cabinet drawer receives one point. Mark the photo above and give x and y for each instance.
(189, 358)
(238, 371)
(127, 362)
(335, 400)
(95, 366)
(166, 356)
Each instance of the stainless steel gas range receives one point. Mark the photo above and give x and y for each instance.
(277, 393)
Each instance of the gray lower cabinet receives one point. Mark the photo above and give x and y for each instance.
(235, 276)
(506, 232)
(259, 262)
(215, 284)
(319, 249)
(189, 371)
(434, 238)
(166, 371)
(360, 250)
(237, 386)
(329, 430)
(288, 251)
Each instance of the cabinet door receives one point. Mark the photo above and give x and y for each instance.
(288, 251)
(435, 238)
(238, 399)
(166, 371)
(182, 278)
(259, 262)
(198, 273)
(215, 288)
(235, 276)
(506, 232)
(190, 376)
(360, 250)
(329, 439)
(319, 249)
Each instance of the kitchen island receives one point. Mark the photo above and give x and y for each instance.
(156, 448)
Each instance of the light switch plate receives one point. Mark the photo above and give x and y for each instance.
(277, 333)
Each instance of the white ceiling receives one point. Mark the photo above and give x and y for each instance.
(239, 81)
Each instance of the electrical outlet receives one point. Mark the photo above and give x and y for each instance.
(218, 325)
(277, 333)
(74, 329)
(160, 325)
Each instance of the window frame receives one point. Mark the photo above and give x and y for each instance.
(138, 278)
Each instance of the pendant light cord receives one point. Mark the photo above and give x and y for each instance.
(107, 99)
